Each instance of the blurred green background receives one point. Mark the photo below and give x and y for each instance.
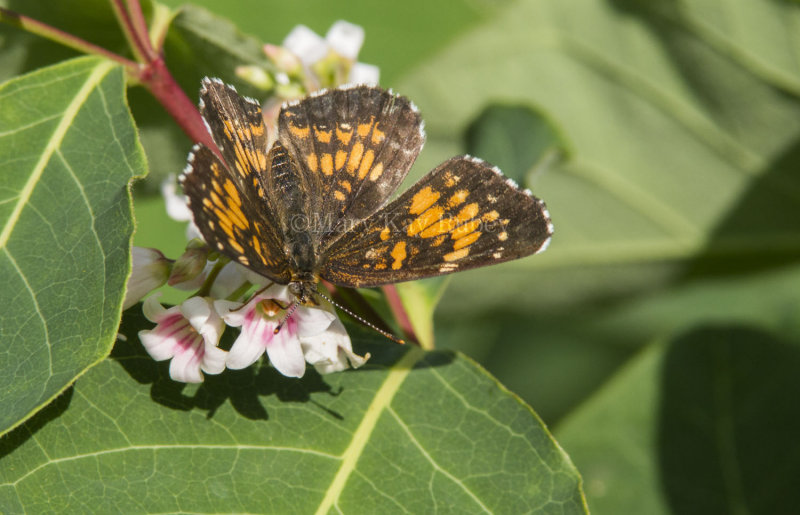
(658, 334)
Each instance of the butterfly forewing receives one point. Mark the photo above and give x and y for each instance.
(237, 127)
(356, 145)
(228, 203)
(462, 215)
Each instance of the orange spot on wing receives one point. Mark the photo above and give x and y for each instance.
(230, 189)
(366, 163)
(326, 163)
(363, 128)
(441, 227)
(465, 229)
(355, 157)
(338, 195)
(341, 157)
(299, 132)
(344, 135)
(311, 159)
(346, 186)
(385, 234)
(424, 220)
(467, 240)
(399, 254)
(458, 254)
(423, 199)
(468, 212)
(236, 246)
(377, 135)
(322, 136)
(457, 198)
(376, 172)
(491, 216)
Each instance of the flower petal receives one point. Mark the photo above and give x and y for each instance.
(331, 351)
(177, 207)
(345, 39)
(153, 310)
(311, 321)
(149, 270)
(285, 353)
(244, 352)
(230, 278)
(306, 44)
(185, 366)
(213, 359)
(204, 318)
(362, 73)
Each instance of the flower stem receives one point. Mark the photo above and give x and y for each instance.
(128, 29)
(399, 312)
(59, 36)
(136, 16)
(212, 276)
(157, 79)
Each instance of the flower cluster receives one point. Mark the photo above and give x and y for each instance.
(307, 62)
(291, 336)
(189, 335)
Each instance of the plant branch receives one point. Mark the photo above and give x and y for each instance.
(157, 79)
(141, 30)
(59, 36)
(125, 22)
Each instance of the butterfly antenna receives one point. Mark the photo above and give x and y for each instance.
(368, 324)
(287, 317)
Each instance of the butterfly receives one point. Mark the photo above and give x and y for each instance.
(316, 203)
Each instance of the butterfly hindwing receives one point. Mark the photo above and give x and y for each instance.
(357, 144)
(462, 215)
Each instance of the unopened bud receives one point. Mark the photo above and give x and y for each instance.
(190, 264)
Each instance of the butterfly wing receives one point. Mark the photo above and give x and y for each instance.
(462, 215)
(228, 203)
(356, 146)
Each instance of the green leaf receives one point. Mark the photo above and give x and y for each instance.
(200, 43)
(517, 139)
(68, 150)
(554, 360)
(363, 441)
(672, 114)
(704, 424)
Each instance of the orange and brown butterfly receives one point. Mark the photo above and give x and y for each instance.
(316, 204)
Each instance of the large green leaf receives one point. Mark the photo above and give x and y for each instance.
(373, 440)
(704, 424)
(68, 150)
(674, 117)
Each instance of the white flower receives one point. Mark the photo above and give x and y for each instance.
(150, 269)
(331, 350)
(178, 207)
(343, 39)
(312, 334)
(188, 334)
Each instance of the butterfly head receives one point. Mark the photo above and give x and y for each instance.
(304, 288)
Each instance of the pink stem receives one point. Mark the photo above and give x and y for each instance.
(65, 38)
(399, 312)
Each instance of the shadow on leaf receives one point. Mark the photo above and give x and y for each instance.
(728, 422)
(14, 439)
